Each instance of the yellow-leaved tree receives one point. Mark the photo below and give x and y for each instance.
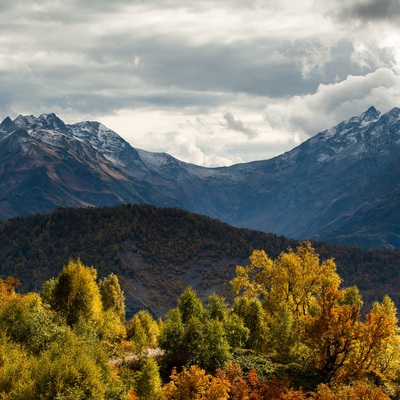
(288, 288)
(195, 383)
(112, 296)
(75, 294)
(295, 279)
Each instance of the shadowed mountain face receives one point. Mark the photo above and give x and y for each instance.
(341, 186)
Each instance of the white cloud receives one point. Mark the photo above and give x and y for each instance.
(335, 102)
(195, 79)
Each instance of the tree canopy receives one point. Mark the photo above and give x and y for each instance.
(291, 332)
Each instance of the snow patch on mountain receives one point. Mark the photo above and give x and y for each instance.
(101, 138)
(25, 122)
(347, 140)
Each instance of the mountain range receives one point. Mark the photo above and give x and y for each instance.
(340, 186)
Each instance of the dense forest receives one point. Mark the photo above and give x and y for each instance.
(292, 331)
(157, 252)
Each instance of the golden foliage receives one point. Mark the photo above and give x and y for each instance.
(344, 347)
(195, 384)
(76, 295)
(359, 390)
(7, 287)
(295, 278)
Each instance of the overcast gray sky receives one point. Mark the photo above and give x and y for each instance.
(212, 82)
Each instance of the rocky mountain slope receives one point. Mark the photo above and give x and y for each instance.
(342, 185)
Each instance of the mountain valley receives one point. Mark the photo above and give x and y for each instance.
(340, 186)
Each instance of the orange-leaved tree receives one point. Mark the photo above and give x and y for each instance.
(343, 346)
(7, 287)
(195, 383)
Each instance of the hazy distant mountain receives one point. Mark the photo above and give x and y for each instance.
(342, 185)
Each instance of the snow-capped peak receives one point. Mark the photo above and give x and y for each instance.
(356, 136)
(24, 121)
(101, 138)
(98, 135)
(7, 126)
(52, 122)
(371, 115)
(44, 121)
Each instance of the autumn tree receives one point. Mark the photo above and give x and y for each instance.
(15, 367)
(75, 294)
(288, 289)
(378, 331)
(195, 383)
(343, 346)
(25, 320)
(143, 331)
(295, 278)
(356, 391)
(66, 367)
(239, 388)
(7, 287)
(112, 296)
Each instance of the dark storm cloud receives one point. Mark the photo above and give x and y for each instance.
(88, 49)
(372, 10)
(219, 68)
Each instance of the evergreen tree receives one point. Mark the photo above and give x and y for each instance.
(254, 318)
(217, 308)
(148, 382)
(171, 341)
(195, 339)
(190, 305)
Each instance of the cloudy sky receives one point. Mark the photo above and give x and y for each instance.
(212, 82)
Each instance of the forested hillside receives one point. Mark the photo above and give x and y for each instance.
(157, 252)
(292, 332)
